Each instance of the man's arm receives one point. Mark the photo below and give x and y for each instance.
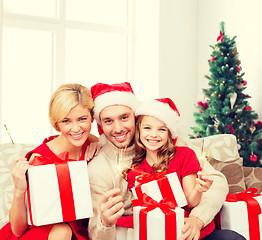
(210, 204)
(212, 200)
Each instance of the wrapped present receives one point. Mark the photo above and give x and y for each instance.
(241, 212)
(153, 220)
(58, 192)
(159, 186)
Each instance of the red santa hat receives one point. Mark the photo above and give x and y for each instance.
(165, 110)
(105, 95)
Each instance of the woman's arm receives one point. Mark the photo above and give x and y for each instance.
(17, 213)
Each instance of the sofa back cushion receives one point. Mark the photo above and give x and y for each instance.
(8, 152)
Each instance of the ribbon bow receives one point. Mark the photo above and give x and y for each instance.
(61, 158)
(220, 37)
(146, 201)
(150, 204)
(248, 197)
(147, 177)
(253, 209)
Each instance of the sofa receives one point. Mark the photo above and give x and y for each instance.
(220, 150)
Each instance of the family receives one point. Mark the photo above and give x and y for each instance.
(144, 136)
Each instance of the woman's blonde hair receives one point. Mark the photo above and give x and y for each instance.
(65, 98)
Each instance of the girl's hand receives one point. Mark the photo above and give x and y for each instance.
(203, 182)
(19, 168)
(92, 150)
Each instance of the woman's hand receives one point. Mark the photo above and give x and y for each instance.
(92, 150)
(19, 168)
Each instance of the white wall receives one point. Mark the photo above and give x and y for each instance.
(181, 33)
(244, 20)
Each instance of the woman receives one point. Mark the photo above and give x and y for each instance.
(70, 114)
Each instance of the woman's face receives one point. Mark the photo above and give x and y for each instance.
(153, 133)
(76, 125)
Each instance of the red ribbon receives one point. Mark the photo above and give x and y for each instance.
(253, 209)
(162, 181)
(220, 37)
(64, 184)
(150, 204)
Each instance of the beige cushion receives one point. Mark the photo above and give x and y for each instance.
(8, 152)
(253, 177)
(233, 171)
(222, 147)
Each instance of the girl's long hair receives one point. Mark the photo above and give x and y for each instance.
(164, 154)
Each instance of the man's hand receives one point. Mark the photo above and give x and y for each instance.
(111, 207)
(191, 228)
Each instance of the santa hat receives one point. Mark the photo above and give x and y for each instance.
(165, 110)
(105, 95)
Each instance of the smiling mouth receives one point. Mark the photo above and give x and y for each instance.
(152, 141)
(121, 138)
(77, 136)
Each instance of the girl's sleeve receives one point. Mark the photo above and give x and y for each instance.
(189, 162)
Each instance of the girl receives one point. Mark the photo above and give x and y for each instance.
(157, 130)
(69, 113)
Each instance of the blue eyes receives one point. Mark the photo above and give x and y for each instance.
(80, 120)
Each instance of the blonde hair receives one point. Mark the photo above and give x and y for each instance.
(65, 98)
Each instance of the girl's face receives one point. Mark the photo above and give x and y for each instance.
(153, 133)
(76, 125)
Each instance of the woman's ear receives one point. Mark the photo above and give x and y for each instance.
(56, 127)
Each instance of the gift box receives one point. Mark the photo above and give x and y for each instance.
(58, 192)
(160, 186)
(160, 221)
(241, 212)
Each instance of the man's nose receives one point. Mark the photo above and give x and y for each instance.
(118, 126)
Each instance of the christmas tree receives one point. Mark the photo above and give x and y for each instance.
(225, 108)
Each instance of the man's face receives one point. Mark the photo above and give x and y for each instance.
(118, 124)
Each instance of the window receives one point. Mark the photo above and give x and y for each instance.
(46, 43)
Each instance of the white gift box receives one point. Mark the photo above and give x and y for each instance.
(152, 189)
(45, 196)
(234, 216)
(156, 223)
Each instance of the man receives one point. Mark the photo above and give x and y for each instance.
(114, 112)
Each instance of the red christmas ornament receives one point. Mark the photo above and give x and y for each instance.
(248, 108)
(232, 131)
(238, 68)
(259, 123)
(203, 105)
(253, 158)
(220, 37)
(244, 82)
(212, 59)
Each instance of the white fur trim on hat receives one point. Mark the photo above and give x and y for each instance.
(114, 98)
(164, 113)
